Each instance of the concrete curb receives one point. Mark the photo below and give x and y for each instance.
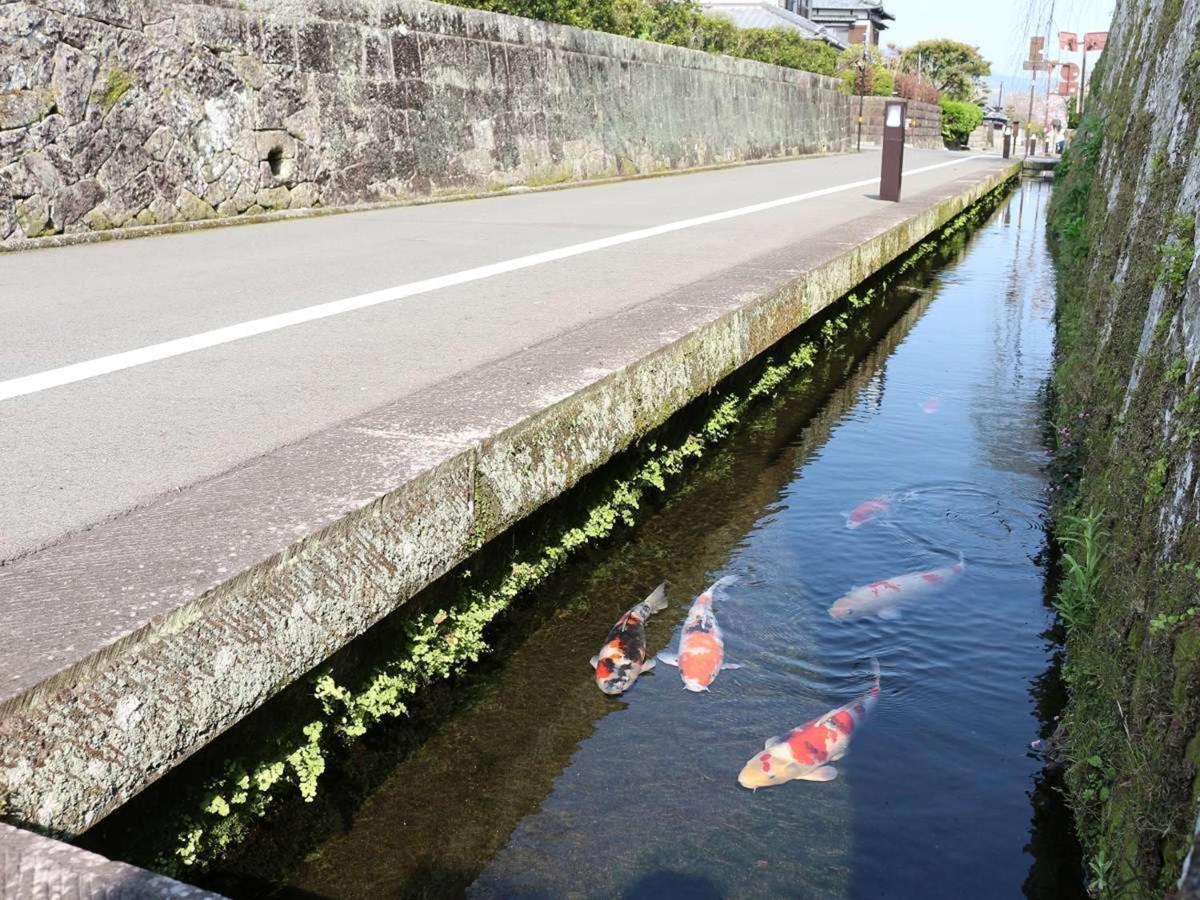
(33, 867)
(192, 650)
(312, 212)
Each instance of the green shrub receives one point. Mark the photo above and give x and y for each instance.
(959, 119)
(677, 22)
(785, 48)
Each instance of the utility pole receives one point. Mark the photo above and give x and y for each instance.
(1037, 62)
(861, 65)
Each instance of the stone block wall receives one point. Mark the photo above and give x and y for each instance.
(924, 123)
(125, 113)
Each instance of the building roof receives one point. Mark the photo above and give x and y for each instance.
(768, 15)
(853, 5)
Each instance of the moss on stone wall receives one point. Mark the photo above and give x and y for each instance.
(1126, 421)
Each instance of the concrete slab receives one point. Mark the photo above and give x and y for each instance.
(185, 538)
(33, 867)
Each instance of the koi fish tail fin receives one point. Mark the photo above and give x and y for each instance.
(657, 601)
(962, 561)
(720, 584)
(875, 670)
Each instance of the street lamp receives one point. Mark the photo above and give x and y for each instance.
(861, 65)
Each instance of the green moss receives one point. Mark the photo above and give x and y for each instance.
(120, 82)
(550, 176)
(1132, 665)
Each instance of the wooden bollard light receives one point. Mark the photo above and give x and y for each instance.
(894, 113)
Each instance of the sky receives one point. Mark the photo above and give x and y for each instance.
(1000, 28)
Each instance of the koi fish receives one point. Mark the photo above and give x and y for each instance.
(929, 407)
(805, 753)
(883, 597)
(701, 647)
(623, 657)
(867, 511)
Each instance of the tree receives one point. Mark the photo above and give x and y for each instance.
(954, 67)
(874, 79)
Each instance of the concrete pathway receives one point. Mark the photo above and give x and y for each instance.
(81, 453)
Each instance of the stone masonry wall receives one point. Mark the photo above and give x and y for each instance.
(924, 123)
(123, 113)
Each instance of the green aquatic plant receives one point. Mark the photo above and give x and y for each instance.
(1081, 538)
(439, 644)
(1168, 622)
(1099, 868)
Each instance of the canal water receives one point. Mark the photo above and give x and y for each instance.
(538, 785)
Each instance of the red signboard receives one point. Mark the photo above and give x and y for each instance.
(1095, 40)
(1036, 46)
(1068, 40)
(1069, 72)
(1068, 88)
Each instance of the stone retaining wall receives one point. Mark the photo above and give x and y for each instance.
(120, 113)
(924, 122)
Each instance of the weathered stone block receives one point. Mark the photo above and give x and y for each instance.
(33, 215)
(315, 42)
(377, 56)
(279, 43)
(21, 108)
(43, 172)
(275, 142)
(74, 72)
(274, 198)
(159, 144)
(305, 195)
(406, 54)
(192, 208)
(71, 204)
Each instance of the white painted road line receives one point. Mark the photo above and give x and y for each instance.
(103, 365)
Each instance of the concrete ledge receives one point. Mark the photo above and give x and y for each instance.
(158, 630)
(33, 867)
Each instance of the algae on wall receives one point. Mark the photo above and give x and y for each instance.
(1127, 419)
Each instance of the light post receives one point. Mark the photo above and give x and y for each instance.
(894, 114)
(861, 65)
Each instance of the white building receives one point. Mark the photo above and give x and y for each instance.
(850, 21)
(771, 14)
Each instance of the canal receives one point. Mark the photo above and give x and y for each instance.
(533, 783)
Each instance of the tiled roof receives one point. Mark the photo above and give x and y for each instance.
(852, 5)
(768, 15)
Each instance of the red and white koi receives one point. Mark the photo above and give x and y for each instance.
(929, 407)
(623, 657)
(805, 753)
(883, 598)
(701, 646)
(868, 511)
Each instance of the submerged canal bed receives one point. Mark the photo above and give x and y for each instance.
(535, 784)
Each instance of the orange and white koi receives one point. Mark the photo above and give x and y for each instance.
(867, 511)
(929, 407)
(805, 753)
(623, 657)
(701, 647)
(883, 598)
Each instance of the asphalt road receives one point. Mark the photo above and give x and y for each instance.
(104, 442)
